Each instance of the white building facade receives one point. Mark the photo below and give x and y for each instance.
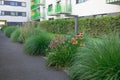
(94, 7)
(15, 12)
(54, 9)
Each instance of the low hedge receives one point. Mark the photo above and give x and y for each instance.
(58, 26)
(93, 26)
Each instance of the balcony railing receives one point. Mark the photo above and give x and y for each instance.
(37, 15)
(50, 11)
(33, 7)
(41, 2)
(32, 3)
(63, 8)
(36, 2)
(113, 1)
(59, 9)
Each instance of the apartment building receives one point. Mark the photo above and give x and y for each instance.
(38, 10)
(14, 12)
(54, 9)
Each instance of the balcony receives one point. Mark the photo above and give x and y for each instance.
(113, 2)
(38, 2)
(51, 11)
(33, 7)
(63, 9)
(41, 2)
(37, 15)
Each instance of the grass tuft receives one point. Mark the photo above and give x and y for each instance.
(37, 45)
(99, 60)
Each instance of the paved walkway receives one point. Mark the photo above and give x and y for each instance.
(16, 65)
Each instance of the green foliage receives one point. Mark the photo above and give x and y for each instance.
(3, 28)
(93, 26)
(62, 50)
(15, 36)
(37, 44)
(61, 57)
(9, 30)
(27, 32)
(99, 60)
(58, 26)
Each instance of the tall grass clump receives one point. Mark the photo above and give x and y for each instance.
(99, 60)
(15, 36)
(28, 30)
(37, 44)
(3, 28)
(9, 30)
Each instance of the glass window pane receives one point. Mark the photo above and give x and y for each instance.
(2, 13)
(23, 14)
(12, 13)
(19, 14)
(7, 12)
(16, 14)
(12, 3)
(6, 2)
(23, 4)
(1, 2)
(18, 3)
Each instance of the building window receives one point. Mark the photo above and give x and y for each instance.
(7, 12)
(6, 2)
(18, 3)
(14, 3)
(23, 4)
(23, 14)
(19, 14)
(2, 13)
(80, 1)
(13, 13)
(1, 2)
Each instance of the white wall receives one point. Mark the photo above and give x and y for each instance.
(16, 8)
(93, 7)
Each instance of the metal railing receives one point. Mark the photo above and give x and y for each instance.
(63, 8)
(112, 1)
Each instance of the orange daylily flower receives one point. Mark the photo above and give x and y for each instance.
(82, 44)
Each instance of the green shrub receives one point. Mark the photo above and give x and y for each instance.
(37, 45)
(3, 28)
(93, 26)
(62, 50)
(58, 26)
(99, 60)
(8, 30)
(15, 36)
